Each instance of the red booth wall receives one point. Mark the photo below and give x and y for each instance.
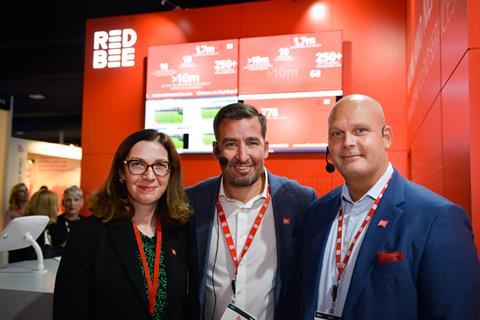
(374, 34)
(443, 95)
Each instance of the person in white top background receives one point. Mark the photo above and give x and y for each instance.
(242, 227)
(380, 246)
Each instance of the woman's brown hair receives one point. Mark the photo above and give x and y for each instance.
(43, 203)
(13, 202)
(111, 201)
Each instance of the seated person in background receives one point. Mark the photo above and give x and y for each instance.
(43, 202)
(16, 203)
(72, 202)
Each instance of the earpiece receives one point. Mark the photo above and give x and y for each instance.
(330, 168)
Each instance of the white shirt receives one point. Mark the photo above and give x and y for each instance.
(353, 213)
(255, 281)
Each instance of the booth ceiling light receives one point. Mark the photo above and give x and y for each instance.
(170, 3)
(36, 96)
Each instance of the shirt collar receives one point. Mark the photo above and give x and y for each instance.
(374, 191)
(223, 197)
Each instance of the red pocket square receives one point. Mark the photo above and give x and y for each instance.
(389, 257)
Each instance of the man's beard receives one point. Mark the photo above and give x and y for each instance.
(241, 181)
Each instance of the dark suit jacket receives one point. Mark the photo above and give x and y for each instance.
(289, 200)
(59, 231)
(438, 279)
(99, 276)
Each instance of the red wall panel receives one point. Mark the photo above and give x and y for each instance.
(455, 116)
(373, 38)
(426, 152)
(423, 61)
(456, 137)
(473, 57)
(454, 35)
(473, 8)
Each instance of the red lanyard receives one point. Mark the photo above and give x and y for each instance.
(338, 250)
(341, 266)
(251, 235)
(152, 286)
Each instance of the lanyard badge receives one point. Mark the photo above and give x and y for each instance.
(340, 265)
(152, 286)
(251, 235)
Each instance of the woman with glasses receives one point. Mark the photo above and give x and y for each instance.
(128, 261)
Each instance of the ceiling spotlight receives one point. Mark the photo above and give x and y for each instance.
(163, 2)
(36, 96)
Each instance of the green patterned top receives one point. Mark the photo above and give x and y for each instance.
(161, 300)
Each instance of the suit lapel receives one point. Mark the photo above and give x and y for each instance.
(204, 215)
(375, 238)
(283, 217)
(123, 241)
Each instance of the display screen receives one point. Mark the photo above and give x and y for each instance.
(189, 122)
(190, 70)
(298, 63)
(292, 79)
(296, 124)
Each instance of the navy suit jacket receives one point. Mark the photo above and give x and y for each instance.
(289, 200)
(99, 276)
(438, 279)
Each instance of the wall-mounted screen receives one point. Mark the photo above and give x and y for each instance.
(299, 64)
(191, 70)
(292, 79)
(189, 122)
(296, 124)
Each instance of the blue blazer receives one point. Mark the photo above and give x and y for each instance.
(289, 200)
(438, 279)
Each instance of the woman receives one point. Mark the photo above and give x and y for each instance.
(17, 202)
(72, 202)
(44, 203)
(112, 267)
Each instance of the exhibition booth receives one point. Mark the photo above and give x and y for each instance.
(172, 70)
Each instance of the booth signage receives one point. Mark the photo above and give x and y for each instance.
(114, 48)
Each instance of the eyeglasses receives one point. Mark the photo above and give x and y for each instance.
(140, 167)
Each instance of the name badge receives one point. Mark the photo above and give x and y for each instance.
(326, 316)
(235, 313)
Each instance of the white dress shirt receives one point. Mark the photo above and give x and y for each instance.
(255, 281)
(353, 215)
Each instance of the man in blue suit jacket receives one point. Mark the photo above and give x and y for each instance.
(414, 258)
(247, 196)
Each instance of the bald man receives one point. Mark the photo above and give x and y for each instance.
(380, 246)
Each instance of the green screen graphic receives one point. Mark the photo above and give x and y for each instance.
(208, 138)
(177, 141)
(209, 113)
(169, 116)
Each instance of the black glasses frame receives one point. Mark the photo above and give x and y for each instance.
(169, 164)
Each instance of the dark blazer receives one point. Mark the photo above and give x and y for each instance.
(289, 200)
(439, 278)
(99, 276)
(59, 231)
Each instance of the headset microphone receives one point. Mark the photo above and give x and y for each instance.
(330, 168)
(221, 159)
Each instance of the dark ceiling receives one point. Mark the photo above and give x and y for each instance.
(41, 52)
